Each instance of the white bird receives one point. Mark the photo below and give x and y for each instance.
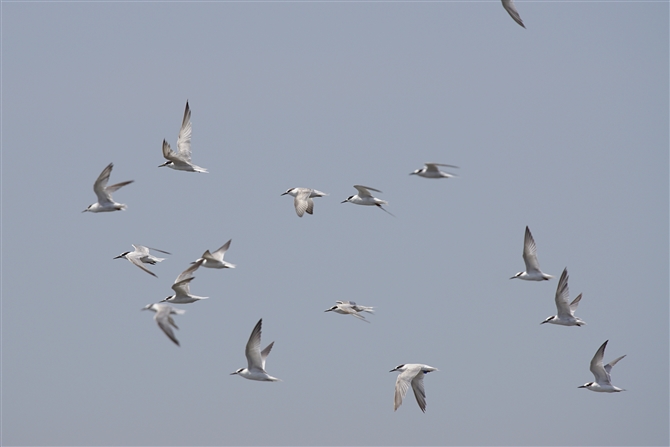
(181, 161)
(511, 10)
(533, 272)
(181, 287)
(566, 310)
(350, 308)
(303, 199)
(215, 260)
(411, 373)
(357, 307)
(104, 193)
(603, 383)
(164, 319)
(256, 358)
(431, 170)
(364, 197)
(141, 256)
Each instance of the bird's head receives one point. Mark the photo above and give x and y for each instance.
(122, 255)
(548, 319)
(586, 385)
(398, 368)
(237, 372)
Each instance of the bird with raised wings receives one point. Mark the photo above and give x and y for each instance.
(603, 383)
(533, 272)
(181, 160)
(255, 369)
(565, 310)
(105, 202)
(182, 291)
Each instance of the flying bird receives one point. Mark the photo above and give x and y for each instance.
(603, 383)
(411, 373)
(533, 272)
(105, 202)
(565, 310)
(181, 287)
(511, 10)
(302, 199)
(141, 256)
(350, 308)
(215, 260)
(431, 170)
(256, 358)
(364, 197)
(181, 161)
(164, 319)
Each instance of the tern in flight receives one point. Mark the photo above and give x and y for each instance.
(411, 374)
(256, 358)
(533, 272)
(105, 202)
(181, 160)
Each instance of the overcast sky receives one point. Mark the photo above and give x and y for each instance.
(562, 126)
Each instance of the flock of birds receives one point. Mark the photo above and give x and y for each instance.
(410, 374)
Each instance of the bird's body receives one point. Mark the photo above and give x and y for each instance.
(533, 272)
(105, 202)
(215, 260)
(431, 170)
(181, 287)
(255, 369)
(364, 197)
(141, 256)
(350, 308)
(565, 315)
(511, 10)
(411, 374)
(164, 319)
(181, 160)
(358, 307)
(302, 199)
(603, 383)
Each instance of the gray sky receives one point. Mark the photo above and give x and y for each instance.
(562, 127)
